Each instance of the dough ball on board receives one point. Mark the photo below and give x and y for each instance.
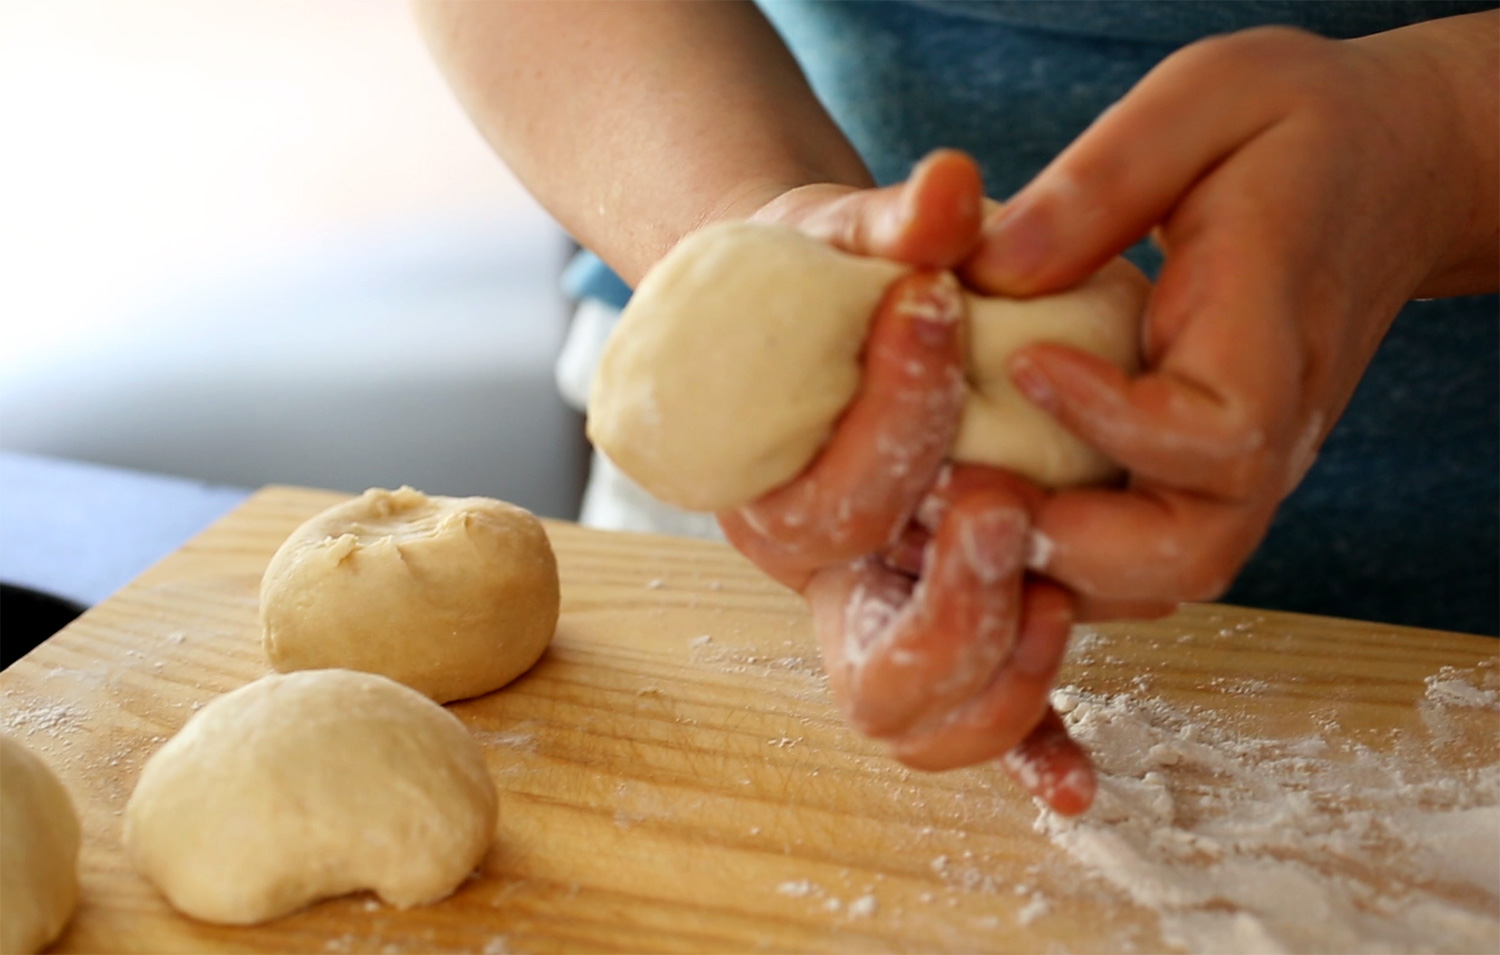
(303, 786)
(38, 852)
(741, 348)
(453, 596)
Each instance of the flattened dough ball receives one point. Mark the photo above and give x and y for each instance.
(454, 597)
(303, 786)
(38, 852)
(741, 348)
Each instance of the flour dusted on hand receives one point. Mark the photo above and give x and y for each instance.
(742, 347)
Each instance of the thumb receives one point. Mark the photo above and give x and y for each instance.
(1125, 174)
(930, 221)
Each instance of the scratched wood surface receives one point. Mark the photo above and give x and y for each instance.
(672, 775)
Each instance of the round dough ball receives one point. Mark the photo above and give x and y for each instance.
(741, 348)
(736, 354)
(455, 597)
(38, 852)
(302, 786)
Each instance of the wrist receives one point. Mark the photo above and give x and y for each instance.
(1445, 77)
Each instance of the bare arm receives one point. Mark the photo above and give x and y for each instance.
(635, 123)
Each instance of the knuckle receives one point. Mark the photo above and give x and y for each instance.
(1285, 64)
(1243, 477)
(1210, 567)
(1263, 51)
(1203, 580)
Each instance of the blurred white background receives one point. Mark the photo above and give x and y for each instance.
(256, 241)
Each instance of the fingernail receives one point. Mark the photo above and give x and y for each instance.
(1016, 242)
(989, 544)
(1033, 383)
(1039, 549)
(934, 310)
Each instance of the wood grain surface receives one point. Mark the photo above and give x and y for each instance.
(672, 774)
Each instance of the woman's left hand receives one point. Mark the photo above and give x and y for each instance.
(1302, 189)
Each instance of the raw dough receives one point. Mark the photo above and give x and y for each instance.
(1000, 425)
(455, 597)
(38, 852)
(307, 785)
(741, 348)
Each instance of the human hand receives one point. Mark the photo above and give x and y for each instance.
(934, 638)
(1302, 190)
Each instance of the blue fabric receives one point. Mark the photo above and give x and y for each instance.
(1182, 21)
(1399, 520)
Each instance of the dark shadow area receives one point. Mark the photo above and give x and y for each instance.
(27, 617)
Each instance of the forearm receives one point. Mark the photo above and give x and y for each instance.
(635, 123)
(1451, 95)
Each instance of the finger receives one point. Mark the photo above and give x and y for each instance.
(1146, 545)
(954, 481)
(931, 220)
(1052, 767)
(886, 448)
(896, 649)
(1000, 716)
(1160, 427)
(853, 605)
(909, 553)
(1111, 185)
(1089, 610)
(957, 628)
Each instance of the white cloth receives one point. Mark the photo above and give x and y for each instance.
(612, 501)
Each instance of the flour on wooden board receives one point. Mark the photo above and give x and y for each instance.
(1241, 844)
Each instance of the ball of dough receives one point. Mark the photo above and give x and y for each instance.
(38, 852)
(302, 786)
(455, 597)
(735, 355)
(740, 349)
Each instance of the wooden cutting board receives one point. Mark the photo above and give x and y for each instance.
(672, 775)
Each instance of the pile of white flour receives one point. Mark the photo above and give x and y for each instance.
(1314, 844)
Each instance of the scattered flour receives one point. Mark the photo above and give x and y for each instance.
(1447, 687)
(1240, 844)
(863, 907)
(799, 889)
(43, 718)
(1033, 910)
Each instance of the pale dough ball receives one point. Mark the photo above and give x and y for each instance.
(455, 597)
(302, 786)
(736, 353)
(741, 348)
(38, 852)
